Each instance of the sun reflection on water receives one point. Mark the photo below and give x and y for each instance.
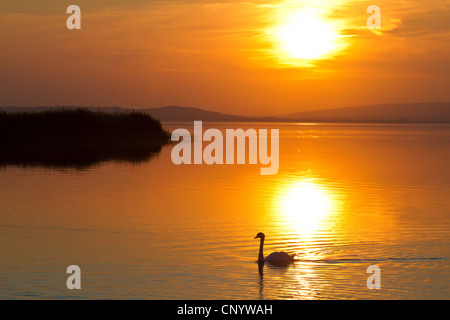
(308, 205)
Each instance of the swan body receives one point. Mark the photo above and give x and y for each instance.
(274, 257)
(279, 257)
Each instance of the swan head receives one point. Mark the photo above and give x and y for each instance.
(260, 235)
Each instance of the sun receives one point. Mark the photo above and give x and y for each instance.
(306, 35)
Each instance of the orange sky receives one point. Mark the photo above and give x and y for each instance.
(220, 55)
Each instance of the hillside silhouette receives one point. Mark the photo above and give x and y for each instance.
(433, 112)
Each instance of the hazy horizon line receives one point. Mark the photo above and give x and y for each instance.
(222, 112)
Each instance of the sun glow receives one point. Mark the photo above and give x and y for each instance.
(307, 205)
(305, 35)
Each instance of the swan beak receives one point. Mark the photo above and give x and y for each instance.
(256, 237)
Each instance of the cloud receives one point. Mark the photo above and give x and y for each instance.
(427, 24)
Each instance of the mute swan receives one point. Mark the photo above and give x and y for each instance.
(274, 257)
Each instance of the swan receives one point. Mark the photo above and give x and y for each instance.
(274, 257)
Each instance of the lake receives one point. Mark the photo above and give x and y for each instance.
(347, 196)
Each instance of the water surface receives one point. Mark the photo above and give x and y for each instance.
(346, 196)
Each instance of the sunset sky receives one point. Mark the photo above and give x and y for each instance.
(241, 57)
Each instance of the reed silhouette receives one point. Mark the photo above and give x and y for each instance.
(78, 138)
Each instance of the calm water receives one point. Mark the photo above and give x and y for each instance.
(346, 197)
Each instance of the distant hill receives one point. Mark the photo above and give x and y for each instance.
(48, 108)
(182, 114)
(410, 113)
(438, 112)
(176, 113)
(165, 114)
(402, 113)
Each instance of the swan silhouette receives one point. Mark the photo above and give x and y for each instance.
(274, 257)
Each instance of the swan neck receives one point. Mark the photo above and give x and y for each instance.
(261, 254)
